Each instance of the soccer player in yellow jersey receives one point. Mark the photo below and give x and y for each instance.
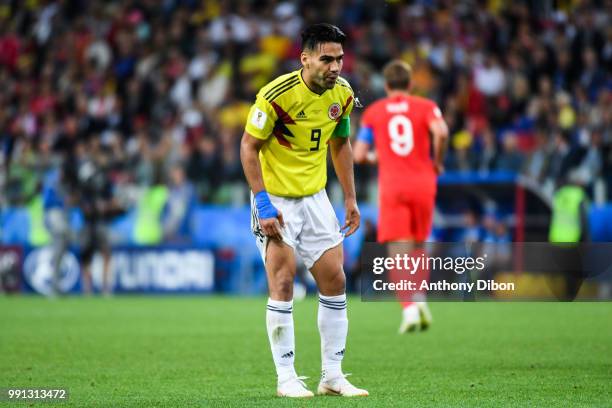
(283, 151)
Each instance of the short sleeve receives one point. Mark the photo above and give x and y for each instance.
(433, 113)
(349, 108)
(366, 135)
(366, 132)
(261, 119)
(343, 129)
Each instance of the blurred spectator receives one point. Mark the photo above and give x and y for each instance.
(510, 158)
(461, 157)
(181, 197)
(592, 77)
(166, 84)
(563, 158)
(489, 77)
(537, 161)
(590, 166)
(203, 166)
(151, 209)
(472, 233)
(497, 245)
(487, 157)
(56, 203)
(95, 198)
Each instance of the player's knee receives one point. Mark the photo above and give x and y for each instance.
(281, 285)
(285, 286)
(337, 282)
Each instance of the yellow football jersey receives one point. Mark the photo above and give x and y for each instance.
(297, 124)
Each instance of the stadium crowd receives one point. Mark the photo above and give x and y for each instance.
(158, 91)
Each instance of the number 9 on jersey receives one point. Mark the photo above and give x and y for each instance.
(401, 134)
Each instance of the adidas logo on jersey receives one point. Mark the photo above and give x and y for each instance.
(301, 115)
(288, 355)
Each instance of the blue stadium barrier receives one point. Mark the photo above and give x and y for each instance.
(474, 177)
(15, 226)
(122, 228)
(162, 269)
(226, 232)
(600, 223)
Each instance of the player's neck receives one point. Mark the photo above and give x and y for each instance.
(396, 92)
(310, 84)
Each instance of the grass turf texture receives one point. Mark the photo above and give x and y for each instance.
(213, 351)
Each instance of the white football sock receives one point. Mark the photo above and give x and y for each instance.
(279, 321)
(333, 327)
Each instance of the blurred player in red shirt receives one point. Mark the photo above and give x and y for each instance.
(402, 128)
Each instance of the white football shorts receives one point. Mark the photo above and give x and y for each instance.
(311, 226)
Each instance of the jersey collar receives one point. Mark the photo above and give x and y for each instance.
(314, 94)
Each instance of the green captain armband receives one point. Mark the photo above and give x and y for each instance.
(343, 128)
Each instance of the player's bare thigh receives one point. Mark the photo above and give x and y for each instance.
(280, 269)
(328, 272)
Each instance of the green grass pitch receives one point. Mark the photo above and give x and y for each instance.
(213, 351)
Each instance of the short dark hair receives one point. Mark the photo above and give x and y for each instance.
(397, 75)
(321, 33)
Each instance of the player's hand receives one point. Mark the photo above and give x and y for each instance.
(272, 226)
(438, 168)
(270, 218)
(352, 218)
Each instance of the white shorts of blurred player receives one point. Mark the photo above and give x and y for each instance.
(311, 226)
